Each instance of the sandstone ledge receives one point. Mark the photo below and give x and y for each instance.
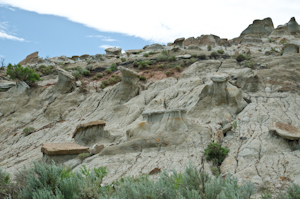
(63, 149)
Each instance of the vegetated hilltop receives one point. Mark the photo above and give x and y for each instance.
(159, 107)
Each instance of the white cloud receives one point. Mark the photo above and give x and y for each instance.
(107, 46)
(108, 40)
(164, 21)
(3, 35)
(104, 38)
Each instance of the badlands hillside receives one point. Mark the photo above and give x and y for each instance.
(158, 107)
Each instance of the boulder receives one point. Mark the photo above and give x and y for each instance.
(65, 83)
(61, 152)
(179, 42)
(113, 51)
(263, 27)
(5, 85)
(90, 133)
(30, 58)
(22, 87)
(290, 48)
(154, 47)
(285, 131)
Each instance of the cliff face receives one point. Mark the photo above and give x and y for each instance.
(168, 120)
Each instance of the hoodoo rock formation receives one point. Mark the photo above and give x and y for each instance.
(160, 106)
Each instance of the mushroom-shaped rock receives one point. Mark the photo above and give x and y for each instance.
(75, 57)
(5, 85)
(84, 57)
(30, 58)
(285, 131)
(113, 51)
(128, 87)
(91, 133)
(290, 49)
(179, 41)
(66, 81)
(159, 122)
(219, 100)
(61, 152)
(264, 27)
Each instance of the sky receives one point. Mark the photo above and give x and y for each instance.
(65, 27)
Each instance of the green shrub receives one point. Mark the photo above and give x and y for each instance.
(214, 54)
(220, 51)
(193, 60)
(209, 48)
(146, 54)
(46, 70)
(102, 85)
(194, 55)
(99, 75)
(171, 58)
(169, 73)
(143, 64)
(271, 40)
(249, 64)
(240, 58)
(83, 156)
(274, 50)
(139, 52)
(108, 71)
(202, 56)
(164, 52)
(90, 67)
(76, 74)
(28, 130)
(117, 56)
(160, 66)
(216, 153)
(123, 59)
(143, 78)
(23, 74)
(162, 57)
(95, 78)
(86, 72)
(178, 68)
(215, 171)
(152, 53)
(135, 64)
(234, 125)
(113, 67)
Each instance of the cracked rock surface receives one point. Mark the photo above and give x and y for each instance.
(169, 122)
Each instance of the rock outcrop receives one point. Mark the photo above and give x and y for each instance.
(262, 27)
(30, 59)
(179, 42)
(66, 81)
(218, 101)
(113, 51)
(5, 85)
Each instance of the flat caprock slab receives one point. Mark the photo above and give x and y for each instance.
(63, 149)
